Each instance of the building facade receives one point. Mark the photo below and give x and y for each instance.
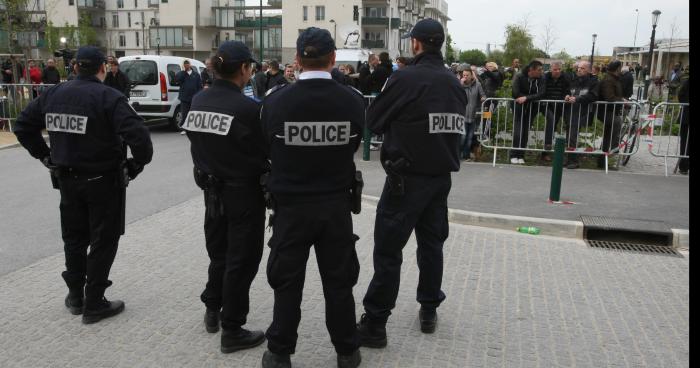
(195, 28)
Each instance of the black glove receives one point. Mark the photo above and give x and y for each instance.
(134, 168)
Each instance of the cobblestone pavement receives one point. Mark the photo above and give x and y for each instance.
(643, 162)
(512, 301)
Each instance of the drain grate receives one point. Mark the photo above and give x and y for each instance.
(631, 247)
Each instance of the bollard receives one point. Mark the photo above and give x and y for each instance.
(367, 137)
(557, 170)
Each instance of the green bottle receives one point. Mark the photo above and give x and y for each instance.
(529, 230)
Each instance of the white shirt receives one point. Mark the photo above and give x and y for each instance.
(315, 75)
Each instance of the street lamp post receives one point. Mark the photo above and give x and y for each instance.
(335, 31)
(261, 32)
(636, 27)
(654, 21)
(158, 45)
(593, 49)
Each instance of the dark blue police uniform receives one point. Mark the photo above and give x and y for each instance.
(421, 114)
(313, 128)
(229, 158)
(88, 124)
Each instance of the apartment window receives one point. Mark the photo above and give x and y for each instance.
(306, 13)
(128, 19)
(120, 4)
(71, 2)
(375, 12)
(320, 13)
(122, 40)
(136, 3)
(138, 40)
(115, 20)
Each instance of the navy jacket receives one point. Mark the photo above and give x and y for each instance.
(421, 114)
(313, 128)
(190, 84)
(224, 128)
(87, 124)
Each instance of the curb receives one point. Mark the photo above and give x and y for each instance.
(549, 227)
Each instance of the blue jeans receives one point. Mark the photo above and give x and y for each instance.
(466, 145)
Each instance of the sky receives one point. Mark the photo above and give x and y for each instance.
(477, 22)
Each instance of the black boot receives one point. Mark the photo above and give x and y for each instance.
(95, 312)
(74, 301)
(352, 360)
(372, 334)
(240, 339)
(211, 320)
(272, 360)
(428, 320)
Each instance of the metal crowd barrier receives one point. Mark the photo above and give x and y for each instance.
(599, 128)
(14, 98)
(670, 132)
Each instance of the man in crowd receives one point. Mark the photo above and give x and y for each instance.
(674, 81)
(190, 84)
(583, 92)
(611, 116)
(558, 85)
(289, 74)
(528, 87)
(260, 80)
(50, 75)
(274, 76)
(118, 80)
(366, 71)
(627, 82)
(207, 75)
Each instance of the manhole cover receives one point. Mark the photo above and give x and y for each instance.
(631, 247)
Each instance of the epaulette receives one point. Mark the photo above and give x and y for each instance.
(275, 89)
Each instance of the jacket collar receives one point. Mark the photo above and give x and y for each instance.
(90, 78)
(434, 58)
(222, 83)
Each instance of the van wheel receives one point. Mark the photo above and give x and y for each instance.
(175, 120)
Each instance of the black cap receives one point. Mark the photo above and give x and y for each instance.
(428, 31)
(315, 42)
(89, 56)
(235, 52)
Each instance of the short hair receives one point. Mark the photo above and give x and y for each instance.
(319, 62)
(491, 63)
(403, 60)
(274, 64)
(558, 63)
(535, 64)
(50, 59)
(430, 48)
(615, 66)
(371, 57)
(88, 70)
(384, 57)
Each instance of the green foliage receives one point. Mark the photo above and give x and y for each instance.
(519, 44)
(450, 54)
(497, 57)
(473, 57)
(86, 32)
(53, 39)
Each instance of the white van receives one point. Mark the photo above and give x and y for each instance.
(154, 94)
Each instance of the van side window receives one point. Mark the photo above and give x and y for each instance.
(173, 69)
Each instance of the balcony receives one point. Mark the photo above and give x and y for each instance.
(372, 44)
(241, 5)
(171, 37)
(256, 23)
(153, 3)
(91, 4)
(381, 21)
(28, 6)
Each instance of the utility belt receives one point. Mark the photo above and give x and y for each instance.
(354, 196)
(62, 172)
(213, 186)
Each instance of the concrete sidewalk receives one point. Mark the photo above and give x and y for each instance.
(512, 301)
(524, 191)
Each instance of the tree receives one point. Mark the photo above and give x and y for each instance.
(498, 57)
(549, 37)
(518, 44)
(473, 57)
(450, 53)
(86, 32)
(563, 56)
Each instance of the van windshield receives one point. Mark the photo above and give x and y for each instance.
(144, 72)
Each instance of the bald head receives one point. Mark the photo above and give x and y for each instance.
(583, 69)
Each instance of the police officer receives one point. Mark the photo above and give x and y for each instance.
(313, 128)
(88, 124)
(421, 114)
(227, 149)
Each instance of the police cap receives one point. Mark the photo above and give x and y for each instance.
(235, 52)
(315, 42)
(428, 31)
(89, 56)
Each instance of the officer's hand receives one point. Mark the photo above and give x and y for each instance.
(46, 161)
(134, 168)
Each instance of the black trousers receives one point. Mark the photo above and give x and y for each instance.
(611, 116)
(327, 225)
(234, 244)
(184, 110)
(90, 217)
(523, 117)
(553, 114)
(423, 207)
(576, 118)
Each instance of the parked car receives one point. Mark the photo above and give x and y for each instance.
(154, 92)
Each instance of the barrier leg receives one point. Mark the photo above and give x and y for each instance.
(666, 165)
(495, 154)
(557, 170)
(367, 137)
(606, 164)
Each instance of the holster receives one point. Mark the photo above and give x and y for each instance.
(356, 193)
(55, 173)
(211, 186)
(123, 182)
(395, 179)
